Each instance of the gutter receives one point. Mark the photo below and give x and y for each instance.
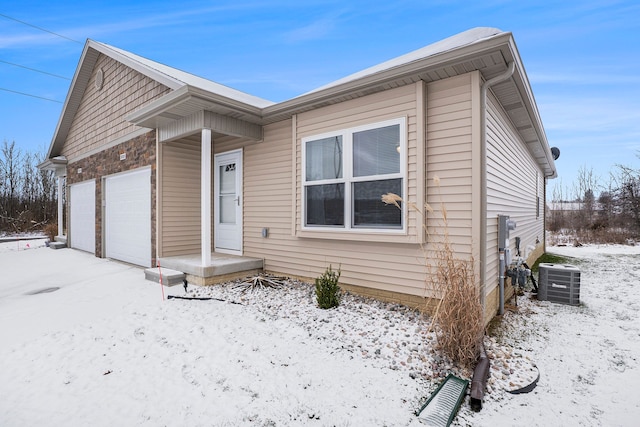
(483, 176)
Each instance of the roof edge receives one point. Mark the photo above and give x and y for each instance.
(377, 75)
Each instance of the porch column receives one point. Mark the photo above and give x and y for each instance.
(205, 197)
(60, 203)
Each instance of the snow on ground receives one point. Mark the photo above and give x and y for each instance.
(103, 348)
(587, 355)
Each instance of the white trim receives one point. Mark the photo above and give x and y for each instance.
(348, 179)
(294, 173)
(237, 155)
(205, 197)
(60, 206)
(157, 208)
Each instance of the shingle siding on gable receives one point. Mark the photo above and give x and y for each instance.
(100, 118)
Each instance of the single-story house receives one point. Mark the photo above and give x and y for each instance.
(162, 166)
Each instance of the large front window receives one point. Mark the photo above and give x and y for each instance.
(346, 173)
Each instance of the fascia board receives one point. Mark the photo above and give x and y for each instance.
(76, 85)
(522, 82)
(150, 72)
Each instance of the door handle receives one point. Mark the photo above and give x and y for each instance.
(237, 200)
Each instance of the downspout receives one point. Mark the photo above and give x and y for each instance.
(483, 180)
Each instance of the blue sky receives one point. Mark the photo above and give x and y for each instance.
(582, 57)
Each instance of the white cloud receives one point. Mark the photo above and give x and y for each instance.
(580, 77)
(593, 114)
(21, 40)
(24, 37)
(313, 31)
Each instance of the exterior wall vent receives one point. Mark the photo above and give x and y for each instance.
(559, 283)
(99, 82)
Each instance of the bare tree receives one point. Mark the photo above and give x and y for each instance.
(10, 176)
(46, 189)
(557, 217)
(27, 195)
(584, 190)
(629, 194)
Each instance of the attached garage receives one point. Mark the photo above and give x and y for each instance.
(82, 206)
(127, 216)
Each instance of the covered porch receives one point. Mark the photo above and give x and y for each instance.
(200, 185)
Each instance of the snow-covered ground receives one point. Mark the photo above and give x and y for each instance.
(102, 347)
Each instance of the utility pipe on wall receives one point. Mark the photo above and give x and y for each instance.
(483, 176)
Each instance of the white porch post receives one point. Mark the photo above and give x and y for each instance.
(205, 197)
(60, 192)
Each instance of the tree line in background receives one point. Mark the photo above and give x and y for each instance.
(596, 211)
(27, 194)
(590, 210)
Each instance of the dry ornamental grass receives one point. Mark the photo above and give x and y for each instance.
(458, 316)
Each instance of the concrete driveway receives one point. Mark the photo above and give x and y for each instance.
(36, 283)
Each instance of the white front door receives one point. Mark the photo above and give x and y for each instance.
(228, 202)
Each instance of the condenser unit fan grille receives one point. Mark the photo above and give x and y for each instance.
(559, 283)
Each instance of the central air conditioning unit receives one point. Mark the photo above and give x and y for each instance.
(559, 283)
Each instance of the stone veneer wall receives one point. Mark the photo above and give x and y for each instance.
(140, 151)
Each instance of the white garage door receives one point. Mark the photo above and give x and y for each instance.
(82, 216)
(128, 217)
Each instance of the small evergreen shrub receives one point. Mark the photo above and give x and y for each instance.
(327, 289)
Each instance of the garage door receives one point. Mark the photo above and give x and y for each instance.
(128, 217)
(82, 216)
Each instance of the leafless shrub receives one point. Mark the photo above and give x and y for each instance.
(259, 282)
(51, 231)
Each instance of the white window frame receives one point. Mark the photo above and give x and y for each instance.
(348, 179)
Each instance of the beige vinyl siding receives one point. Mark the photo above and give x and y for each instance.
(449, 157)
(100, 118)
(387, 105)
(514, 183)
(180, 198)
(269, 202)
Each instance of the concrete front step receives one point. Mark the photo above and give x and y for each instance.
(57, 245)
(169, 277)
(223, 267)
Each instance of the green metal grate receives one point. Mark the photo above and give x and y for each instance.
(442, 406)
